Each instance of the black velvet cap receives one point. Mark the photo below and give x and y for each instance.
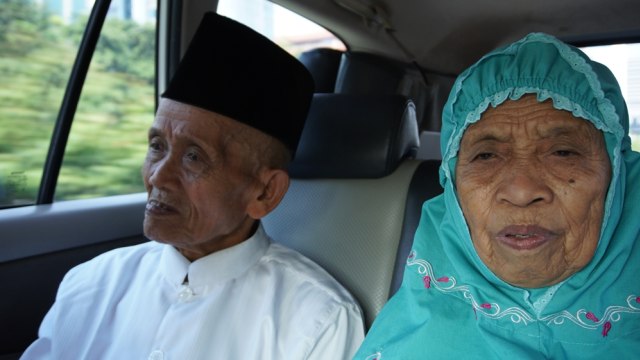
(232, 70)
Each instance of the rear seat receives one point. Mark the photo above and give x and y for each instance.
(353, 204)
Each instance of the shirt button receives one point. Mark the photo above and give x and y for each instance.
(156, 355)
(185, 294)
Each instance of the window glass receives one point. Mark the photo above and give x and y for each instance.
(108, 140)
(37, 50)
(624, 62)
(39, 40)
(286, 28)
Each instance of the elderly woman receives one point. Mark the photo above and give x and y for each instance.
(532, 250)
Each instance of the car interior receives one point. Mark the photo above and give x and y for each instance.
(348, 205)
(368, 157)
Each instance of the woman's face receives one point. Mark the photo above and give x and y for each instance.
(532, 181)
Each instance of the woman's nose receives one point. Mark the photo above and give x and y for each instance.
(524, 185)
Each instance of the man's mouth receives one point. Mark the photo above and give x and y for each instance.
(155, 207)
(525, 237)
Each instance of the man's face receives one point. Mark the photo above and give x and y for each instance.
(198, 189)
(532, 181)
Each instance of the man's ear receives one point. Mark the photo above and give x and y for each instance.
(272, 187)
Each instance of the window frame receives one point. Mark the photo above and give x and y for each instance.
(62, 127)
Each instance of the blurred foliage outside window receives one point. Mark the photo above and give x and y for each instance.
(108, 137)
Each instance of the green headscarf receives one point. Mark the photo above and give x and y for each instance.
(450, 305)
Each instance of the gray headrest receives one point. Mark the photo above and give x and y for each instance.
(323, 64)
(356, 136)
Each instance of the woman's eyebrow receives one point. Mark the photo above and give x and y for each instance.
(558, 131)
(485, 136)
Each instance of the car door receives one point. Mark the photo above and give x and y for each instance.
(77, 98)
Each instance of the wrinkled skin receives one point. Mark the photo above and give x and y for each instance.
(205, 185)
(532, 181)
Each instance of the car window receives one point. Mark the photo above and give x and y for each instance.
(291, 31)
(108, 139)
(624, 62)
(38, 45)
(36, 55)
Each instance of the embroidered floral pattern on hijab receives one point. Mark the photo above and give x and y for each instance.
(517, 314)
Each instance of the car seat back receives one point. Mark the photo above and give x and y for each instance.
(346, 203)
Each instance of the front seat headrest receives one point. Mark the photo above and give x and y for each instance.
(356, 136)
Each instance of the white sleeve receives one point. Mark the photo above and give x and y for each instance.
(342, 336)
(39, 349)
(50, 333)
(42, 347)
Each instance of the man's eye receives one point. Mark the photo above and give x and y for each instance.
(196, 162)
(192, 156)
(155, 145)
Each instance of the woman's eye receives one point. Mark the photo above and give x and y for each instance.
(563, 153)
(484, 156)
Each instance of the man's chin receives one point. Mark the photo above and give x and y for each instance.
(157, 232)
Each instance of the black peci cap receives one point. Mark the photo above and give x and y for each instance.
(232, 70)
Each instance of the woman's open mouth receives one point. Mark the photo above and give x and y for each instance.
(525, 237)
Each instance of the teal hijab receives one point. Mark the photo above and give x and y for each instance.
(450, 305)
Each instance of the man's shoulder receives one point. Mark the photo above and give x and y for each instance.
(301, 272)
(126, 253)
(115, 261)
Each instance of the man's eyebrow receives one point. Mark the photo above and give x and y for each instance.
(154, 132)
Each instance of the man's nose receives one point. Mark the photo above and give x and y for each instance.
(163, 174)
(524, 184)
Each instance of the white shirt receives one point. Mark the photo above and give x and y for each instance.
(255, 300)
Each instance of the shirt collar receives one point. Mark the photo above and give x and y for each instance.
(217, 267)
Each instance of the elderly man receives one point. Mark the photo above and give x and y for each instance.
(212, 284)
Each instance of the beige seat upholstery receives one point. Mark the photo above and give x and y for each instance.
(345, 207)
